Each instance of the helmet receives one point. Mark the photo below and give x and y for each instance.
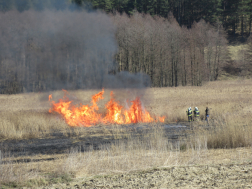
(196, 108)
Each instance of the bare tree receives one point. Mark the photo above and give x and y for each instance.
(171, 55)
(53, 50)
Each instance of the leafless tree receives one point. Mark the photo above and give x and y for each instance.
(55, 49)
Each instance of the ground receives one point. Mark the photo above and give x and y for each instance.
(198, 176)
(39, 150)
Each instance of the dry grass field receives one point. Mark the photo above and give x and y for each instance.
(225, 140)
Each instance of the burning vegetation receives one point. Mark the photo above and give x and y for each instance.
(86, 116)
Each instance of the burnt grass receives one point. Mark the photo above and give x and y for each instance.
(94, 139)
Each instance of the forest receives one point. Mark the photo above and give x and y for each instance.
(234, 15)
(77, 44)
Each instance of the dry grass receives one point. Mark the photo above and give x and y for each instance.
(231, 99)
(230, 111)
(235, 51)
(25, 125)
(25, 116)
(151, 151)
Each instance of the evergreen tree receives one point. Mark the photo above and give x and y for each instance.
(151, 7)
(163, 7)
(22, 5)
(125, 5)
(40, 5)
(78, 2)
(108, 5)
(230, 13)
(130, 6)
(6, 5)
(250, 16)
(244, 11)
(59, 4)
(211, 10)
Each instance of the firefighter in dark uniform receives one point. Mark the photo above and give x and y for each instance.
(196, 113)
(189, 114)
(207, 113)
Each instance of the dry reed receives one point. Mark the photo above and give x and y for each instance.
(152, 150)
(229, 127)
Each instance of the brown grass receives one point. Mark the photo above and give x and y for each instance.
(25, 116)
(155, 151)
(230, 102)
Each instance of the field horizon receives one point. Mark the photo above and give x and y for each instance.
(224, 140)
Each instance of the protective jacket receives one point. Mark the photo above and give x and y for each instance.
(196, 113)
(189, 112)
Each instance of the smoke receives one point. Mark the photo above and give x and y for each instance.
(54, 49)
(129, 86)
(127, 80)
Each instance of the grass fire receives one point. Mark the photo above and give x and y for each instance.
(94, 98)
(39, 150)
(85, 115)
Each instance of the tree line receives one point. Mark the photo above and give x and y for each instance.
(51, 50)
(234, 15)
(171, 55)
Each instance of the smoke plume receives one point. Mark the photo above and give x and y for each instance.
(50, 50)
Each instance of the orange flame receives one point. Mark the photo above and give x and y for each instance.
(49, 97)
(86, 115)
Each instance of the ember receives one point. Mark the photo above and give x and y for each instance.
(85, 115)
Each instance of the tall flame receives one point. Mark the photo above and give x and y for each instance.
(85, 115)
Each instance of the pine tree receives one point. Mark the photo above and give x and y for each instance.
(211, 10)
(151, 7)
(22, 5)
(59, 4)
(250, 16)
(163, 6)
(230, 12)
(40, 5)
(244, 11)
(108, 6)
(6, 5)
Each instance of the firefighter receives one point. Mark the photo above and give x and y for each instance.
(189, 114)
(196, 113)
(207, 113)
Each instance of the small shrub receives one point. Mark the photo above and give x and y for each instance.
(183, 147)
